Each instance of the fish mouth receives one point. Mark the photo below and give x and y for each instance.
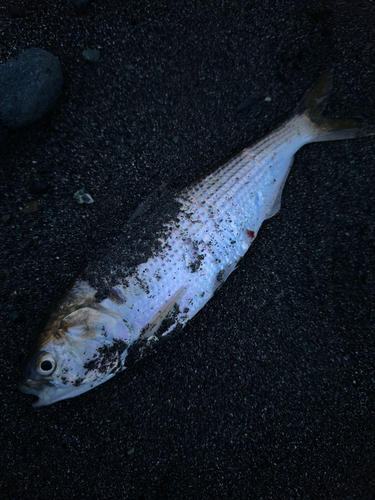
(34, 383)
(39, 388)
(48, 392)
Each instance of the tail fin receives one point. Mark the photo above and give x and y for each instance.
(325, 129)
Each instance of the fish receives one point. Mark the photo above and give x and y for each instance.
(171, 259)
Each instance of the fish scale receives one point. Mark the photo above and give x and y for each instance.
(167, 267)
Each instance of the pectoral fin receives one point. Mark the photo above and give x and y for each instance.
(160, 316)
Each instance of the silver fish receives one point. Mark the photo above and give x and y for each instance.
(168, 265)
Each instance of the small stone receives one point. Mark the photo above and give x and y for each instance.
(131, 451)
(81, 197)
(15, 11)
(39, 187)
(16, 316)
(268, 99)
(248, 102)
(6, 218)
(91, 55)
(31, 207)
(81, 6)
(4, 134)
(175, 139)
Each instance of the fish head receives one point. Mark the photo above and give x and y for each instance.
(75, 353)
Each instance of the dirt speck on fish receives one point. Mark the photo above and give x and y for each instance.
(168, 265)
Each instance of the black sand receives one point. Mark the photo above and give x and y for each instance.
(269, 392)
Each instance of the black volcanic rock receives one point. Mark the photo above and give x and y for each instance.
(30, 85)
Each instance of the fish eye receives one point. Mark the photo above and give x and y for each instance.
(45, 364)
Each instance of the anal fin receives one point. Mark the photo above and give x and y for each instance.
(277, 202)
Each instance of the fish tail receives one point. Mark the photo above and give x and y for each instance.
(325, 129)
